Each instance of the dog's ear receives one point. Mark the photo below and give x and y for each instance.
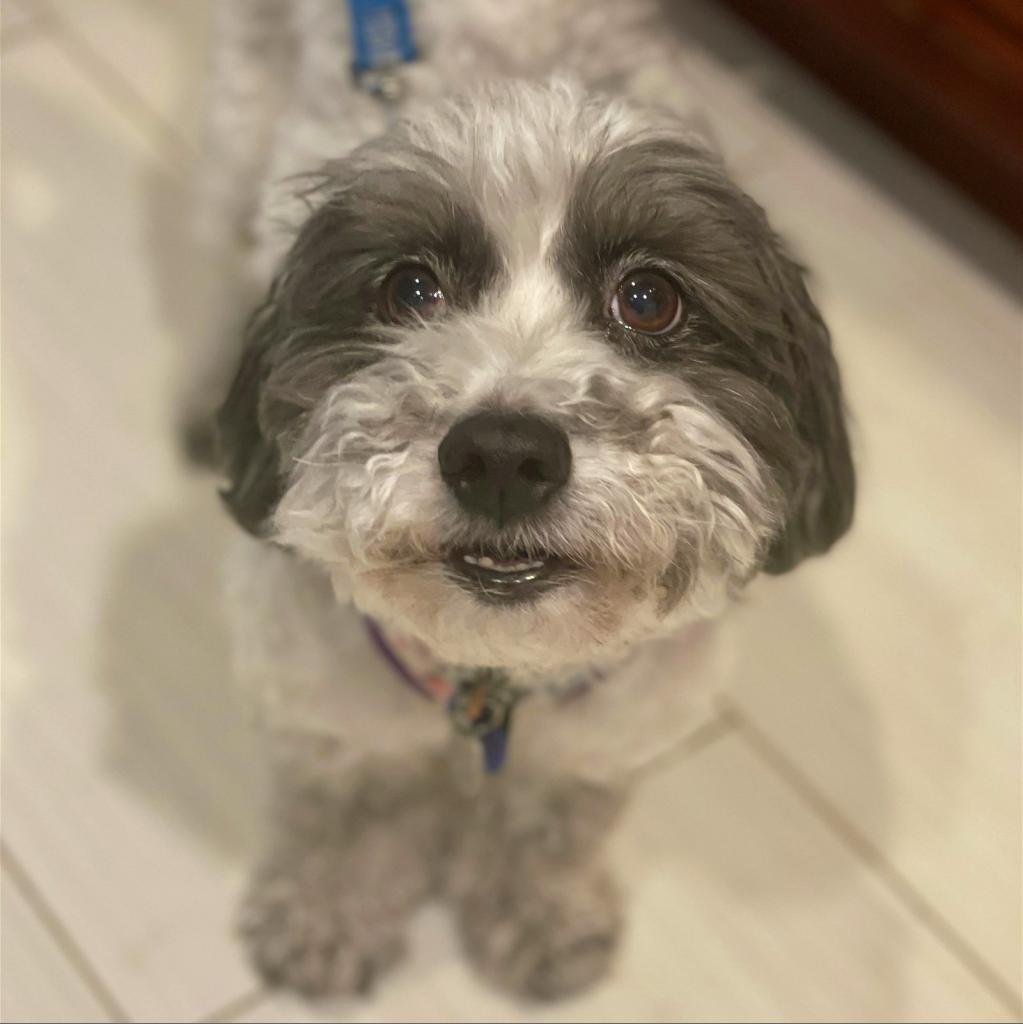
(821, 492)
(248, 454)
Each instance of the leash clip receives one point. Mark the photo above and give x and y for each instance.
(386, 84)
(382, 41)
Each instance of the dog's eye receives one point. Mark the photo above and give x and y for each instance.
(412, 291)
(646, 301)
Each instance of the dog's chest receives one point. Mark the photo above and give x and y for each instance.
(312, 665)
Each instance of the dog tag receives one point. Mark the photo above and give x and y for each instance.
(482, 707)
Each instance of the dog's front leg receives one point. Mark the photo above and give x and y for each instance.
(538, 910)
(354, 847)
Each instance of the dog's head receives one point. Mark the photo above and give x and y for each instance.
(536, 381)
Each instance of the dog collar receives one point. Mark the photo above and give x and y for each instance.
(479, 701)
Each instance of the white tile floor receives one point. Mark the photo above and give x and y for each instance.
(845, 846)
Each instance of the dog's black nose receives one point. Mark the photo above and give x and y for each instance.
(504, 465)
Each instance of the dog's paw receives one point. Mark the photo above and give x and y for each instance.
(302, 933)
(543, 937)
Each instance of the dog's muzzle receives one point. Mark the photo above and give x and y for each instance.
(503, 468)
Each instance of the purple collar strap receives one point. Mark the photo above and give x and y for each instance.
(479, 701)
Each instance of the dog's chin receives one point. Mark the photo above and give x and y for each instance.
(536, 613)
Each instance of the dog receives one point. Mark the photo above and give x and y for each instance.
(532, 392)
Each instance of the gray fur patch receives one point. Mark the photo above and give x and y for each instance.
(321, 322)
(750, 339)
(537, 909)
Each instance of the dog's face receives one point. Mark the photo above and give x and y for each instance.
(536, 381)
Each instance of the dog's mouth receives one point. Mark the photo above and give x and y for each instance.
(501, 578)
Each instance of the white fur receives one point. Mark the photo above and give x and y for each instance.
(314, 670)
(382, 524)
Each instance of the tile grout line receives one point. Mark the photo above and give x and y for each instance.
(61, 935)
(114, 86)
(717, 727)
(705, 735)
(901, 887)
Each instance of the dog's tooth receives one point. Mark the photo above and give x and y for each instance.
(486, 561)
(535, 565)
(471, 559)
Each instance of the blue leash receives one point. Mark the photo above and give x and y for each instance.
(382, 40)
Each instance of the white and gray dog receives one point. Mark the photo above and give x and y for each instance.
(533, 392)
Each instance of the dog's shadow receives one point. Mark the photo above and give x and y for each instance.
(179, 731)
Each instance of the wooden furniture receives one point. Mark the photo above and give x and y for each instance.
(945, 77)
